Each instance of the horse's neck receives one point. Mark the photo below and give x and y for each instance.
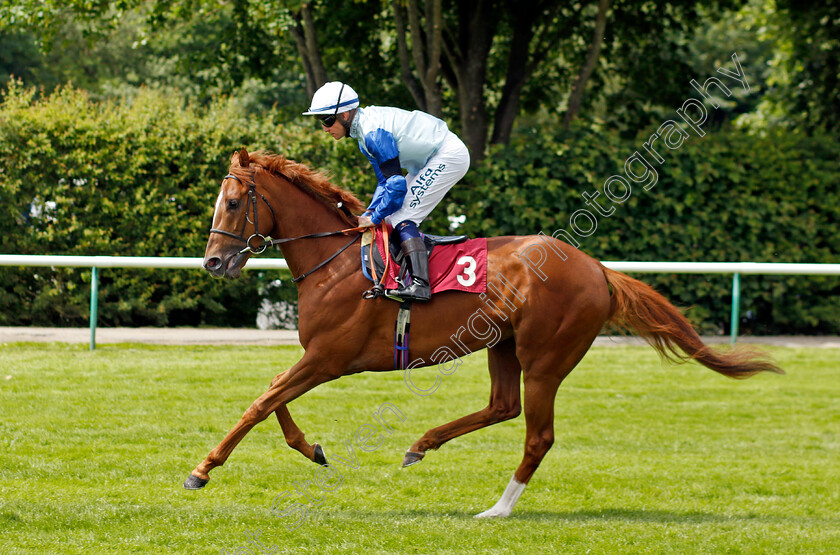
(298, 214)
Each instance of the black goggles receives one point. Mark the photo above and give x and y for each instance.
(328, 121)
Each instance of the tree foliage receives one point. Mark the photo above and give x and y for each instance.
(470, 61)
(812, 61)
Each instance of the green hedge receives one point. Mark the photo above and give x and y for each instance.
(140, 177)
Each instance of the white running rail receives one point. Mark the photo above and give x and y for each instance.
(734, 268)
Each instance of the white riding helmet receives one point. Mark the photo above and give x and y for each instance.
(333, 98)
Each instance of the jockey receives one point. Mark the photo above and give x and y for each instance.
(394, 139)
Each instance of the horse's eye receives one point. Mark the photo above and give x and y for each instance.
(233, 204)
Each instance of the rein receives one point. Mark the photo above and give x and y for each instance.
(269, 241)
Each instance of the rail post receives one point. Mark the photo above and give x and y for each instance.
(736, 308)
(94, 305)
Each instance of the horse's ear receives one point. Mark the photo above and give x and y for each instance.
(244, 159)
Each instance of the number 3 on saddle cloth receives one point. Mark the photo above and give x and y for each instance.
(455, 263)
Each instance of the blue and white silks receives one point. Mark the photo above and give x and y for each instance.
(393, 139)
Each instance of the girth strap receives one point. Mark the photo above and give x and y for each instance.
(401, 328)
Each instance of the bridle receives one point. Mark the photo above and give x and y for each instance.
(252, 201)
(267, 241)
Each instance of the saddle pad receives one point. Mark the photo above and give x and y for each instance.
(459, 267)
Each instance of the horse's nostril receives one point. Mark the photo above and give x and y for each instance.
(212, 263)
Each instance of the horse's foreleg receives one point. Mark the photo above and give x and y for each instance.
(505, 371)
(285, 388)
(296, 438)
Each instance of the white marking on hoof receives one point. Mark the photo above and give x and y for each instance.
(494, 511)
(504, 506)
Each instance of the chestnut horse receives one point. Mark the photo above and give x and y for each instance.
(545, 304)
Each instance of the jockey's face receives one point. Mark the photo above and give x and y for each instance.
(337, 130)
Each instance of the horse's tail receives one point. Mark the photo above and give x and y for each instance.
(636, 306)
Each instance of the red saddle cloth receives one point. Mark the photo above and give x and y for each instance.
(458, 267)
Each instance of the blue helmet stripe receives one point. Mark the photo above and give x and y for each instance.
(333, 107)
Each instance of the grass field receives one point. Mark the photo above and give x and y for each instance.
(648, 458)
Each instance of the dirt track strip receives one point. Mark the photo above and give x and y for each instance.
(239, 336)
(159, 336)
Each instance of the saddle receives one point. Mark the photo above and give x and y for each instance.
(455, 262)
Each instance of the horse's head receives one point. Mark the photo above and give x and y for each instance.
(242, 219)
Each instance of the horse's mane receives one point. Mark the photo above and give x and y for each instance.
(314, 183)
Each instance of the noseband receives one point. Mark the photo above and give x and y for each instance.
(268, 241)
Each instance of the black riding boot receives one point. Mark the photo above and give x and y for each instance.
(418, 289)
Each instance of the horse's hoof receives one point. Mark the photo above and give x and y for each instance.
(411, 458)
(493, 512)
(320, 456)
(194, 482)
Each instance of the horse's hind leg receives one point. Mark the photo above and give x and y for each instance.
(539, 437)
(505, 371)
(296, 438)
(543, 373)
